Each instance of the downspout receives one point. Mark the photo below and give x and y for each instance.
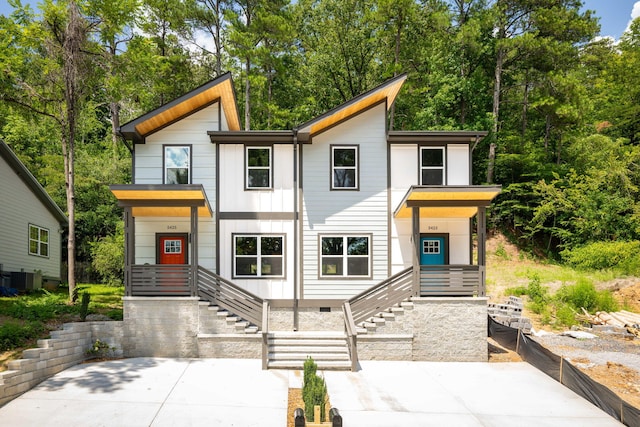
(295, 229)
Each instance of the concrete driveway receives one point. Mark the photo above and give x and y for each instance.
(233, 392)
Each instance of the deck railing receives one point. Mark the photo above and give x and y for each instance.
(382, 296)
(451, 280)
(352, 335)
(160, 280)
(230, 296)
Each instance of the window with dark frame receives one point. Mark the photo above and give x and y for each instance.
(345, 256)
(258, 256)
(344, 167)
(38, 241)
(432, 166)
(258, 168)
(177, 162)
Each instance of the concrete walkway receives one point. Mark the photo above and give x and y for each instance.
(233, 392)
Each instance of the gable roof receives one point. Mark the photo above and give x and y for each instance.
(387, 90)
(21, 170)
(218, 89)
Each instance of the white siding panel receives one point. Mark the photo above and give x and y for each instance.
(458, 164)
(19, 207)
(346, 212)
(264, 288)
(234, 197)
(404, 171)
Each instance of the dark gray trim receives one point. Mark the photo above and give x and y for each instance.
(162, 203)
(300, 219)
(471, 241)
(186, 246)
(345, 277)
(128, 129)
(275, 216)
(217, 209)
(331, 166)
(444, 162)
(30, 181)
(352, 101)
(260, 235)
(446, 244)
(389, 211)
(434, 137)
(252, 137)
(447, 203)
(157, 187)
(306, 303)
(164, 156)
(133, 164)
(247, 147)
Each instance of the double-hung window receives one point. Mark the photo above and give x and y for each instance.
(258, 168)
(344, 167)
(177, 164)
(345, 256)
(432, 166)
(258, 255)
(38, 241)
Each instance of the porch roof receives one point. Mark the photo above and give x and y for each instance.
(163, 200)
(437, 201)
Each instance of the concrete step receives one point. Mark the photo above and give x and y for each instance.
(322, 365)
(309, 349)
(251, 330)
(303, 356)
(306, 342)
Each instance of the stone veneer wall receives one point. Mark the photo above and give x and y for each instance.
(64, 349)
(309, 319)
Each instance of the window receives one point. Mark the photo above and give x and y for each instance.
(344, 256)
(173, 246)
(258, 168)
(176, 165)
(431, 165)
(38, 241)
(431, 247)
(344, 168)
(258, 256)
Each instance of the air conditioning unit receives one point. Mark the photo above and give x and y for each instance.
(26, 281)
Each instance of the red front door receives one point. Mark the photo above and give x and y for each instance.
(173, 249)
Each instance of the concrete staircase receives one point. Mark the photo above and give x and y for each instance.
(215, 320)
(387, 321)
(289, 350)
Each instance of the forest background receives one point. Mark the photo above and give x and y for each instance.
(562, 106)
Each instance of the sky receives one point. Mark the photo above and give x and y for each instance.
(615, 15)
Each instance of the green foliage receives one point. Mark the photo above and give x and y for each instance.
(100, 349)
(621, 256)
(501, 252)
(108, 257)
(15, 334)
(38, 306)
(314, 391)
(583, 294)
(84, 306)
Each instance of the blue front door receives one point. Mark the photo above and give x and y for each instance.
(432, 250)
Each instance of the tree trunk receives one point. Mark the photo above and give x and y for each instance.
(525, 106)
(496, 112)
(396, 60)
(247, 98)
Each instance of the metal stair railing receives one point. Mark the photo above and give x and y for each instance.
(229, 296)
(382, 296)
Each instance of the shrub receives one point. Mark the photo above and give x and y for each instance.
(621, 256)
(584, 295)
(538, 293)
(314, 391)
(14, 334)
(108, 257)
(84, 306)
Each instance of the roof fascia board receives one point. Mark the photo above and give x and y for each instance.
(239, 137)
(458, 137)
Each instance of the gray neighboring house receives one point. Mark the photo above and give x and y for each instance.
(31, 227)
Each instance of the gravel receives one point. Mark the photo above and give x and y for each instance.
(598, 351)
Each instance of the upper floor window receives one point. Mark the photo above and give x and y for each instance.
(344, 167)
(38, 241)
(258, 168)
(431, 165)
(345, 256)
(177, 162)
(258, 255)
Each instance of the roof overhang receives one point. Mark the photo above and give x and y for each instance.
(252, 137)
(386, 91)
(435, 137)
(446, 201)
(163, 200)
(217, 90)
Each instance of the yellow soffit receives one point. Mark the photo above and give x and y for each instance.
(223, 91)
(487, 195)
(158, 194)
(390, 91)
(464, 212)
(169, 211)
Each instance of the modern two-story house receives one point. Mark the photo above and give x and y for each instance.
(339, 228)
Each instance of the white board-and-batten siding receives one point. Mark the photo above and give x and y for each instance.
(346, 212)
(19, 207)
(191, 131)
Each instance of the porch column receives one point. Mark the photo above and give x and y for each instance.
(482, 247)
(415, 233)
(194, 251)
(129, 248)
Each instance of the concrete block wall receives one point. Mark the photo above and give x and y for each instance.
(161, 327)
(309, 319)
(65, 348)
(231, 346)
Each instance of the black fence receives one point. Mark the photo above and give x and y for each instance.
(561, 370)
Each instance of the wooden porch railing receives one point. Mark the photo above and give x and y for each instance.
(160, 280)
(451, 280)
(352, 336)
(382, 296)
(230, 296)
